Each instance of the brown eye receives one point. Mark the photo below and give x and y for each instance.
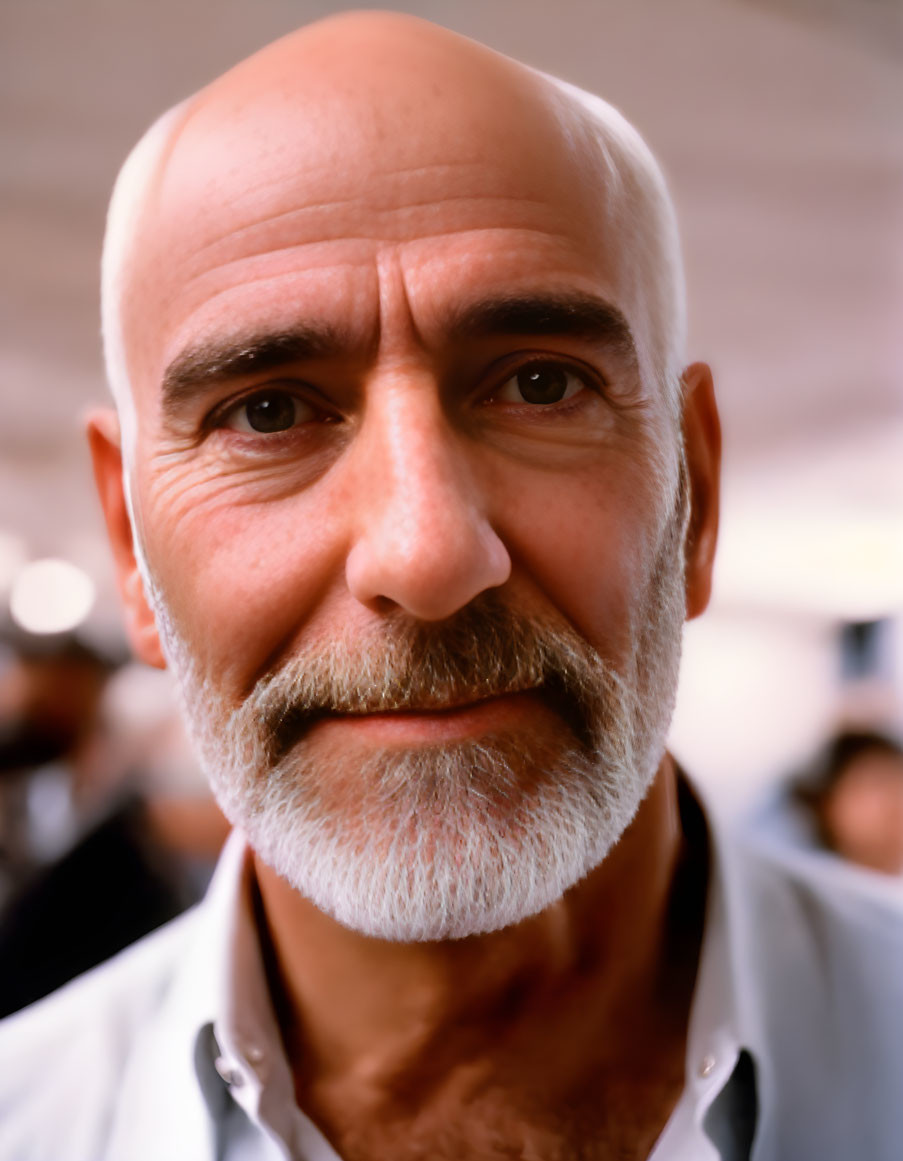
(540, 383)
(269, 412)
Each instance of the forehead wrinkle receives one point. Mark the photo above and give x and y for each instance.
(270, 220)
(379, 217)
(268, 276)
(334, 265)
(242, 275)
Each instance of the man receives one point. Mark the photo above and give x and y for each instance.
(412, 492)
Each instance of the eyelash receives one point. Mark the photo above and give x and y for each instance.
(589, 379)
(219, 416)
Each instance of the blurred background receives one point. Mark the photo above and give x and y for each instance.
(780, 126)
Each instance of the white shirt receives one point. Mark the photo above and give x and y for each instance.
(172, 1050)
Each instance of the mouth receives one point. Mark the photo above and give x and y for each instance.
(436, 724)
(433, 722)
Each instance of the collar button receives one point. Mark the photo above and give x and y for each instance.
(707, 1065)
(230, 1074)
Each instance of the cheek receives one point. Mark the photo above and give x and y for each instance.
(239, 579)
(587, 540)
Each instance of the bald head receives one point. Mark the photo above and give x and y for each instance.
(332, 133)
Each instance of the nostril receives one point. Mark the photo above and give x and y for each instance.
(429, 576)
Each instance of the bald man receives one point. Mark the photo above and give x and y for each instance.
(410, 487)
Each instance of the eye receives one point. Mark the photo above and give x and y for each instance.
(268, 412)
(540, 383)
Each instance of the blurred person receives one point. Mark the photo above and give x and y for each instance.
(51, 690)
(100, 850)
(855, 799)
(412, 490)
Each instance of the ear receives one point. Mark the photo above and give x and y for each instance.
(105, 444)
(702, 439)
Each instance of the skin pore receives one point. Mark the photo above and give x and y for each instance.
(403, 296)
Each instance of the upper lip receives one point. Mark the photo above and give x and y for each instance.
(297, 719)
(423, 707)
(570, 708)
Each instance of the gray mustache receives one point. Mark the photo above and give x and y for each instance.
(486, 650)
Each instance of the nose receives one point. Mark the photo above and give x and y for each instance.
(423, 538)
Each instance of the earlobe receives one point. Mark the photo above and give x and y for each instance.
(702, 439)
(106, 454)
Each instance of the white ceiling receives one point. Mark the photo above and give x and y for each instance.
(779, 124)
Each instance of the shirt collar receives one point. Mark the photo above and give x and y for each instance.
(721, 1022)
(249, 1053)
(158, 1112)
(723, 1040)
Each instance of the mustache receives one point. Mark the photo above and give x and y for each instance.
(485, 650)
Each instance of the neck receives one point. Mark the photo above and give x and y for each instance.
(357, 1007)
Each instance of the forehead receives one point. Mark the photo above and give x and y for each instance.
(276, 200)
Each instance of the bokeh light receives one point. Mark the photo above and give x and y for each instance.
(51, 596)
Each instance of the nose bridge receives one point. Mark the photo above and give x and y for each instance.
(423, 468)
(423, 538)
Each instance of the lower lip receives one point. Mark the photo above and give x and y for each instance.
(423, 727)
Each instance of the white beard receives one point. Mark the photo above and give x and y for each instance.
(444, 841)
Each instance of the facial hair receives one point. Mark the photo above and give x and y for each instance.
(444, 841)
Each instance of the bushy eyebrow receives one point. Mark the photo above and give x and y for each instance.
(217, 361)
(568, 315)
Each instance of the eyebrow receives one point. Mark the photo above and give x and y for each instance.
(218, 361)
(569, 315)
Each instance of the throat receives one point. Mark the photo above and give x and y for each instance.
(569, 1027)
(548, 1104)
